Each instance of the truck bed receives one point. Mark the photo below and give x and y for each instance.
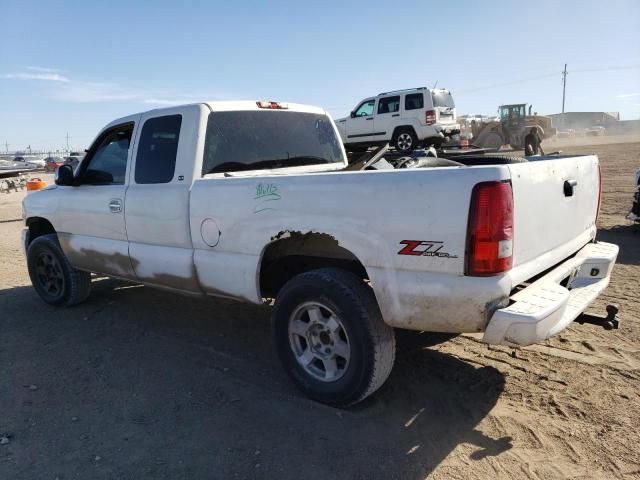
(363, 214)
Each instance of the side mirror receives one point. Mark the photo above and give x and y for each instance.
(353, 114)
(64, 175)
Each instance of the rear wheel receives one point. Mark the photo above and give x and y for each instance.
(52, 276)
(331, 338)
(405, 140)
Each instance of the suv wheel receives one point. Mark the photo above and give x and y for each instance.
(405, 140)
(52, 276)
(330, 336)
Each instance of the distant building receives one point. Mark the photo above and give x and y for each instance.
(625, 127)
(576, 120)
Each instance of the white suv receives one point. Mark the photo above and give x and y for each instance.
(405, 118)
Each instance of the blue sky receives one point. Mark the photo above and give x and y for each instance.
(74, 66)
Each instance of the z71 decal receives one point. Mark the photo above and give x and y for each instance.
(424, 248)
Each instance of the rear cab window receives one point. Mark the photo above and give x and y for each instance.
(264, 139)
(157, 149)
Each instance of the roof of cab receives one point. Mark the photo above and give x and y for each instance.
(254, 105)
(220, 106)
(416, 89)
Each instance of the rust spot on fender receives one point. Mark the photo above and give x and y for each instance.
(281, 235)
(298, 235)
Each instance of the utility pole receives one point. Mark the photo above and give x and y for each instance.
(564, 87)
(68, 132)
(6, 146)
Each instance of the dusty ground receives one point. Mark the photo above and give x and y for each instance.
(138, 383)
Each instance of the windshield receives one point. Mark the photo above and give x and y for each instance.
(442, 99)
(261, 139)
(512, 111)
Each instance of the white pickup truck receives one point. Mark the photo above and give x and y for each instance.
(255, 201)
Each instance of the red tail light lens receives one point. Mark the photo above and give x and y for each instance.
(490, 230)
(430, 117)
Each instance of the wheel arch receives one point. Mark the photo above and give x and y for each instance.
(292, 253)
(38, 226)
(399, 128)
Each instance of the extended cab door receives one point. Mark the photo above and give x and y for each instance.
(360, 126)
(157, 202)
(90, 225)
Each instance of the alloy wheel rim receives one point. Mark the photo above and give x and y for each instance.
(404, 141)
(49, 274)
(319, 341)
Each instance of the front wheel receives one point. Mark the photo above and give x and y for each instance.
(52, 276)
(491, 140)
(330, 336)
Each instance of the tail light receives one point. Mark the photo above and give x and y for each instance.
(599, 191)
(430, 117)
(490, 230)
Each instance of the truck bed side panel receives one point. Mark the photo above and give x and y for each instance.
(368, 213)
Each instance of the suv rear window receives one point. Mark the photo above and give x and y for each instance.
(262, 139)
(442, 99)
(414, 101)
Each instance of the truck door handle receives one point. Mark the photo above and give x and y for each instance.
(395, 115)
(115, 205)
(568, 187)
(370, 118)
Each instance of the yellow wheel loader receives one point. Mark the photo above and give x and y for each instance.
(513, 126)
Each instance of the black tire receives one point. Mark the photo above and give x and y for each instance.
(405, 140)
(371, 342)
(52, 276)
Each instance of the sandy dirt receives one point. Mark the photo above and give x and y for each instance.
(138, 383)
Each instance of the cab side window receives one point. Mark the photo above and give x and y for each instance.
(414, 101)
(156, 157)
(389, 104)
(107, 164)
(365, 109)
